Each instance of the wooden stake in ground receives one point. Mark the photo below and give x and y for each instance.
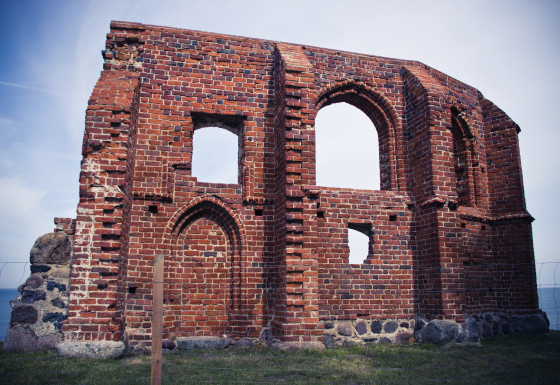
(157, 319)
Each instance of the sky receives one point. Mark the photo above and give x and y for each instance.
(51, 59)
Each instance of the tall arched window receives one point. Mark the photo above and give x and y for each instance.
(347, 148)
(463, 161)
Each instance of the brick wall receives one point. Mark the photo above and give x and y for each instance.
(449, 233)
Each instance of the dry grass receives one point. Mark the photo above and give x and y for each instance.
(504, 360)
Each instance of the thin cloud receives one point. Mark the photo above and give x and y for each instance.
(75, 157)
(34, 89)
(22, 219)
(16, 199)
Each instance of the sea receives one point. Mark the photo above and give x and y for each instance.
(549, 301)
(549, 298)
(6, 295)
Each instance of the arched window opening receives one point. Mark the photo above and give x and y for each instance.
(215, 156)
(360, 242)
(347, 148)
(462, 164)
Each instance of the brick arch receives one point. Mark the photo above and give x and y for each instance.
(383, 116)
(216, 210)
(210, 203)
(460, 119)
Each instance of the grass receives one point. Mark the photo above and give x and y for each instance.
(501, 360)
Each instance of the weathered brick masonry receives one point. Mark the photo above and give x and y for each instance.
(449, 233)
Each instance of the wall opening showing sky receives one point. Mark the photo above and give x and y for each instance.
(347, 149)
(215, 155)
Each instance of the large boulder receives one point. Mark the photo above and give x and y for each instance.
(33, 282)
(190, 343)
(31, 296)
(439, 332)
(531, 324)
(361, 327)
(26, 314)
(92, 349)
(295, 345)
(376, 327)
(168, 344)
(25, 340)
(345, 329)
(473, 329)
(390, 327)
(404, 337)
(51, 249)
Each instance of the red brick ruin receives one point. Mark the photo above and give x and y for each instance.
(268, 257)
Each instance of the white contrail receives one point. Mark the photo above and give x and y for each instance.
(34, 89)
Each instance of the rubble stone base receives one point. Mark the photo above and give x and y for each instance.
(361, 331)
(477, 327)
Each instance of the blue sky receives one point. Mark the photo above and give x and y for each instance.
(50, 61)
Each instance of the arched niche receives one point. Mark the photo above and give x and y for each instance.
(204, 268)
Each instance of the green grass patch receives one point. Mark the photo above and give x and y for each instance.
(501, 360)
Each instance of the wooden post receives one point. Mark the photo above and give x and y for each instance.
(157, 319)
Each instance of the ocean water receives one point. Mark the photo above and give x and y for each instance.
(6, 295)
(549, 299)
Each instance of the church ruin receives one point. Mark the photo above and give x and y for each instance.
(449, 234)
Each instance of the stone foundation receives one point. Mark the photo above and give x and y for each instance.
(477, 327)
(42, 306)
(361, 331)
